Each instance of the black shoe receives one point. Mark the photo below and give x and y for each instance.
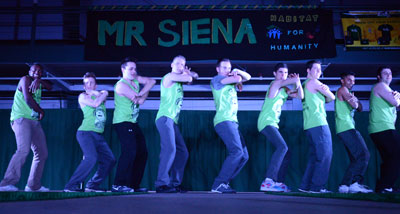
(390, 190)
(141, 190)
(165, 189)
(95, 189)
(180, 189)
(73, 189)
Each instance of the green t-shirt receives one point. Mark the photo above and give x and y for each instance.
(226, 102)
(382, 114)
(20, 109)
(314, 113)
(271, 110)
(170, 101)
(94, 119)
(125, 110)
(344, 114)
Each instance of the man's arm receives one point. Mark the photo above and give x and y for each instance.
(324, 89)
(124, 90)
(352, 100)
(24, 84)
(384, 91)
(148, 84)
(35, 85)
(86, 99)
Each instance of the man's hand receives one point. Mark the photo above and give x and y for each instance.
(35, 85)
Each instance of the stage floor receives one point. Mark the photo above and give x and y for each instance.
(199, 202)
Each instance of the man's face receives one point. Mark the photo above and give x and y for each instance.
(224, 68)
(129, 71)
(315, 71)
(348, 81)
(281, 74)
(178, 65)
(89, 84)
(35, 71)
(386, 76)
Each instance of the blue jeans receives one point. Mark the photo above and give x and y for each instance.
(319, 159)
(173, 154)
(280, 158)
(358, 154)
(237, 157)
(94, 148)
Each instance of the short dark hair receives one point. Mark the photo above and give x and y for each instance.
(126, 60)
(310, 63)
(380, 69)
(280, 65)
(222, 60)
(347, 73)
(179, 56)
(37, 64)
(90, 74)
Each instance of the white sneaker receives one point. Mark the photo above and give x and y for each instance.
(8, 188)
(359, 188)
(344, 189)
(320, 191)
(41, 189)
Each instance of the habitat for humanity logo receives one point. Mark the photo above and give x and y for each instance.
(273, 32)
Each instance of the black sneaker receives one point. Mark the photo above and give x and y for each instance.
(141, 190)
(165, 189)
(180, 189)
(390, 190)
(223, 188)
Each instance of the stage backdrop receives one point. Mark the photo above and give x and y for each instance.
(206, 150)
(205, 35)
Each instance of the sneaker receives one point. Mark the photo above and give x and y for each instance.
(283, 186)
(165, 189)
(320, 191)
(116, 188)
(223, 188)
(143, 189)
(180, 189)
(268, 185)
(303, 190)
(344, 189)
(359, 188)
(41, 189)
(8, 188)
(390, 190)
(94, 189)
(73, 190)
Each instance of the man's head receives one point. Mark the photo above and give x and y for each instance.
(224, 66)
(128, 68)
(385, 74)
(35, 71)
(348, 79)
(178, 64)
(89, 81)
(281, 71)
(313, 69)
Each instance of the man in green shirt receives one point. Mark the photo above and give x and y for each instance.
(268, 121)
(25, 116)
(91, 140)
(127, 98)
(382, 119)
(173, 154)
(345, 105)
(226, 123)
(317, 130)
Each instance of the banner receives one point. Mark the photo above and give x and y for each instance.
(206, 35)
(371, 30)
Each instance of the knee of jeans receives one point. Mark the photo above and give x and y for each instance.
(364, 157)
(91, 159)
(23, 151)
(283, 148)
